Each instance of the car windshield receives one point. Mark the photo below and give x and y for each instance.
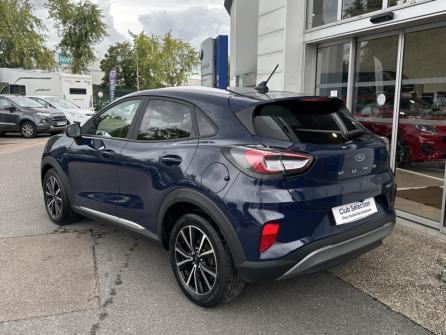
(25, 102)
(61, 103)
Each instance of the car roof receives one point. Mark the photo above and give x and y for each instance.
(11, 95)
(43, 96)
(237, 98)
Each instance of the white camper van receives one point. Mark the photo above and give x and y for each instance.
(75, 88)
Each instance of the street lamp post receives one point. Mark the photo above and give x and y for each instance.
(137, 70)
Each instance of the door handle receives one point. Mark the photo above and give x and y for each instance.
(107, 153)
(171, 160)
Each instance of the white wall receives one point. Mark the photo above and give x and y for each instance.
(243, 41)
(271, 42)
(280, 36)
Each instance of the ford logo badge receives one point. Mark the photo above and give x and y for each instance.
(360, 157)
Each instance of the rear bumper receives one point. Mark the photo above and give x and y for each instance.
(321, 254)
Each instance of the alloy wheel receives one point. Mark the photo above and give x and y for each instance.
(28, 130)
(53, 197)
(196, 260)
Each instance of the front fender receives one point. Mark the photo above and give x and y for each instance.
(49, 162)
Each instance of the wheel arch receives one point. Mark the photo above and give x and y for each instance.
(26, 119)
(49, 163)
(189, 201)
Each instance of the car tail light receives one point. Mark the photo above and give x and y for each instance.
(269, 236)
(264, 161)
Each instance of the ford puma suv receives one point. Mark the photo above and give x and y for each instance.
(238, 187)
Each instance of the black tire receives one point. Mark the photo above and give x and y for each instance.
(60, 212)
(403, 159)
(2, 133)
(205, 290)
(28, 129)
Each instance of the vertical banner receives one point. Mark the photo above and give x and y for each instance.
(112, 83)
(221, 61)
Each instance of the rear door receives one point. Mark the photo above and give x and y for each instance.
(155, 161)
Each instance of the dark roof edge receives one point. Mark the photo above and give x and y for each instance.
(228, 6)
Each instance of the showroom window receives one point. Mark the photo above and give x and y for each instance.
(374, 88)
(421, 147)
(351, 8)
(332, 71)
(321, 12)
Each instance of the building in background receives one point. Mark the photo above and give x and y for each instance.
(214, 62)
(384, 58)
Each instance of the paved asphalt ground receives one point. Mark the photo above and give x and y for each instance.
(91, 278)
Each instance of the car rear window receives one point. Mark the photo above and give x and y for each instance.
(315, 121)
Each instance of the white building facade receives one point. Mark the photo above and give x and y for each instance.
(385, 58)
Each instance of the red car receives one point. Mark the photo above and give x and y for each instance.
(421, 131)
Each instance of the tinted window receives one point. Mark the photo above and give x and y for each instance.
(308, 122)
(165, 120)
(79, 91)
(114, 122)
(205, 127)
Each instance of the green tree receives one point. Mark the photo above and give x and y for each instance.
(22, 42)
(149, 59)
(123, 57)
(179, 59)
(80, 25)
(163, 60)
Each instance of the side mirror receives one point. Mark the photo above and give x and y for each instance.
(73, 131)
(11, 109)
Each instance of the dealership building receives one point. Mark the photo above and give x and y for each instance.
(371, 54)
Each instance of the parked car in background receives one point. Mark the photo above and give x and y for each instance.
(24, 115)
(72, 112)
(238, 187)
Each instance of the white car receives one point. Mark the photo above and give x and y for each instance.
(72, 112)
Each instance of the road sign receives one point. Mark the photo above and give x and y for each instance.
(63, 59)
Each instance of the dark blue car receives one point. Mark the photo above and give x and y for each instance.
(239, 187)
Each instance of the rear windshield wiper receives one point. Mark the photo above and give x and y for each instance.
(355, 133)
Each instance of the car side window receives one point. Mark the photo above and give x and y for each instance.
(205, 127)
(114, 122)
(166, 120)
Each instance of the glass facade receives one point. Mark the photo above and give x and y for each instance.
(332, 71)
(419, 149)
(321, 12)
(374, 87)
(351, 8)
